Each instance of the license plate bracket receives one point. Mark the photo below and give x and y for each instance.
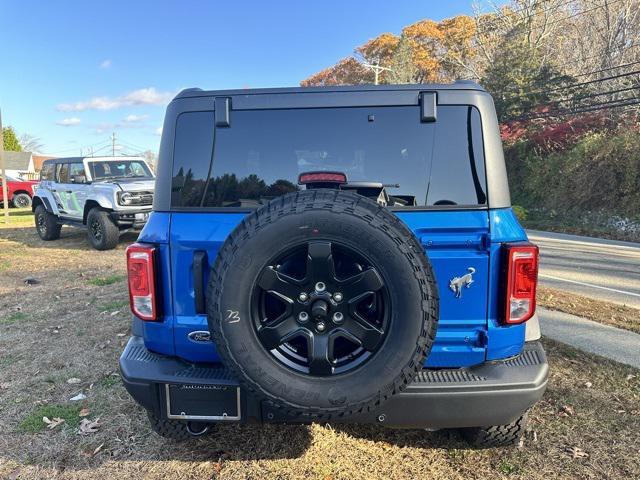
(203, 402)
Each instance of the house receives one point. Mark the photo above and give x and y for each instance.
(19, 164)
(38, 159)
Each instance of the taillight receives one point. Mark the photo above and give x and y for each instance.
(521, 265)
(142, 288)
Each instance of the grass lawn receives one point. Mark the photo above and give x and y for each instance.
(621, 316)
(66, 332)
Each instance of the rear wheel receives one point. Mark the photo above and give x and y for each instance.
(47, 224)
(21, 200)
(508, 435)
(102, 232)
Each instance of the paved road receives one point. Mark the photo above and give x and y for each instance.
(610, 342)
(602, 269)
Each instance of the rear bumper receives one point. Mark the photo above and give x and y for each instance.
(494, 393)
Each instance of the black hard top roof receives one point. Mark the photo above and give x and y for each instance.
(457, 85)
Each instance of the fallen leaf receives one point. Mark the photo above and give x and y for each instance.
(113, 314)
(88, 426)
(588, 384)
(73, 380)
(84, 412)
(4, 385)
(13, 475)
(631, 376)
(78, 397)
(576, 452)
(94, 452)
(566, 411)
(51, 424)
(121, 334)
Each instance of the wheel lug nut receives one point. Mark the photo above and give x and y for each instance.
(321, 326)
(338, 317)
(320, 287)
(337, 297)
(303, 317)
(303, 297)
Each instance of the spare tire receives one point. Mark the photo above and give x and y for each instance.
(322, 303)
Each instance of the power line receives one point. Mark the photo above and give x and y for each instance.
(598, 55)
(599, 94)
(480, 32)
(623, 102)
(598, 80)
(591, 109)
(508, 13)
(138, 147)
(76, 148)
(630, 64)
(574, 85)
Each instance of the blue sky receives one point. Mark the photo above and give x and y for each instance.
(72, 72)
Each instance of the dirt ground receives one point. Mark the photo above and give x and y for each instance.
(62, 336)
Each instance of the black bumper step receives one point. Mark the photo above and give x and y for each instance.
(493, 393)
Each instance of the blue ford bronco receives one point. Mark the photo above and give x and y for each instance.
(335, 254)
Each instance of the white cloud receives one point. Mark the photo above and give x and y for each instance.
(143, 96)
(159, 131)
(69, 122)
(134, 118)
(105, 64)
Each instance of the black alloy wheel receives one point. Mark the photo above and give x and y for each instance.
(96, 229)
(41, 223)
(321, 308)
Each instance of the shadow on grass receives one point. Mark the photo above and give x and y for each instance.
(412, 438)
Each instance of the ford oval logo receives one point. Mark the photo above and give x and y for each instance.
(200, 336)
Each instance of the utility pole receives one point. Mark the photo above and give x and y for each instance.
(377, 70)
(5, 193)
(113, 144)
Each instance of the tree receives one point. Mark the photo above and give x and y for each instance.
(252, 187)
(424, 37)
(10, 140)
(281, 187)
(347, 71)
(426, 51)
(403, 69)
(30, 143)
(518, 78)
(151, 159)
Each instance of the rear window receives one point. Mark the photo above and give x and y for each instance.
(260, 155)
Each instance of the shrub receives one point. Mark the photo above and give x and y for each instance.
(520, 212)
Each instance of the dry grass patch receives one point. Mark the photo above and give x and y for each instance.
(585, 427)
(607, 313)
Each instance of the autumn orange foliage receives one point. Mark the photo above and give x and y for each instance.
(438, 50)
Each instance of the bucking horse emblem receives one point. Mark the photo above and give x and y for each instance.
(456, 284)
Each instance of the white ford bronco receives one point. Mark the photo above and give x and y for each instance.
(106, 195)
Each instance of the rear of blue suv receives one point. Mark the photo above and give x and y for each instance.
(344, 254)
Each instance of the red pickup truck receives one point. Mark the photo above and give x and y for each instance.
(19, 191)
